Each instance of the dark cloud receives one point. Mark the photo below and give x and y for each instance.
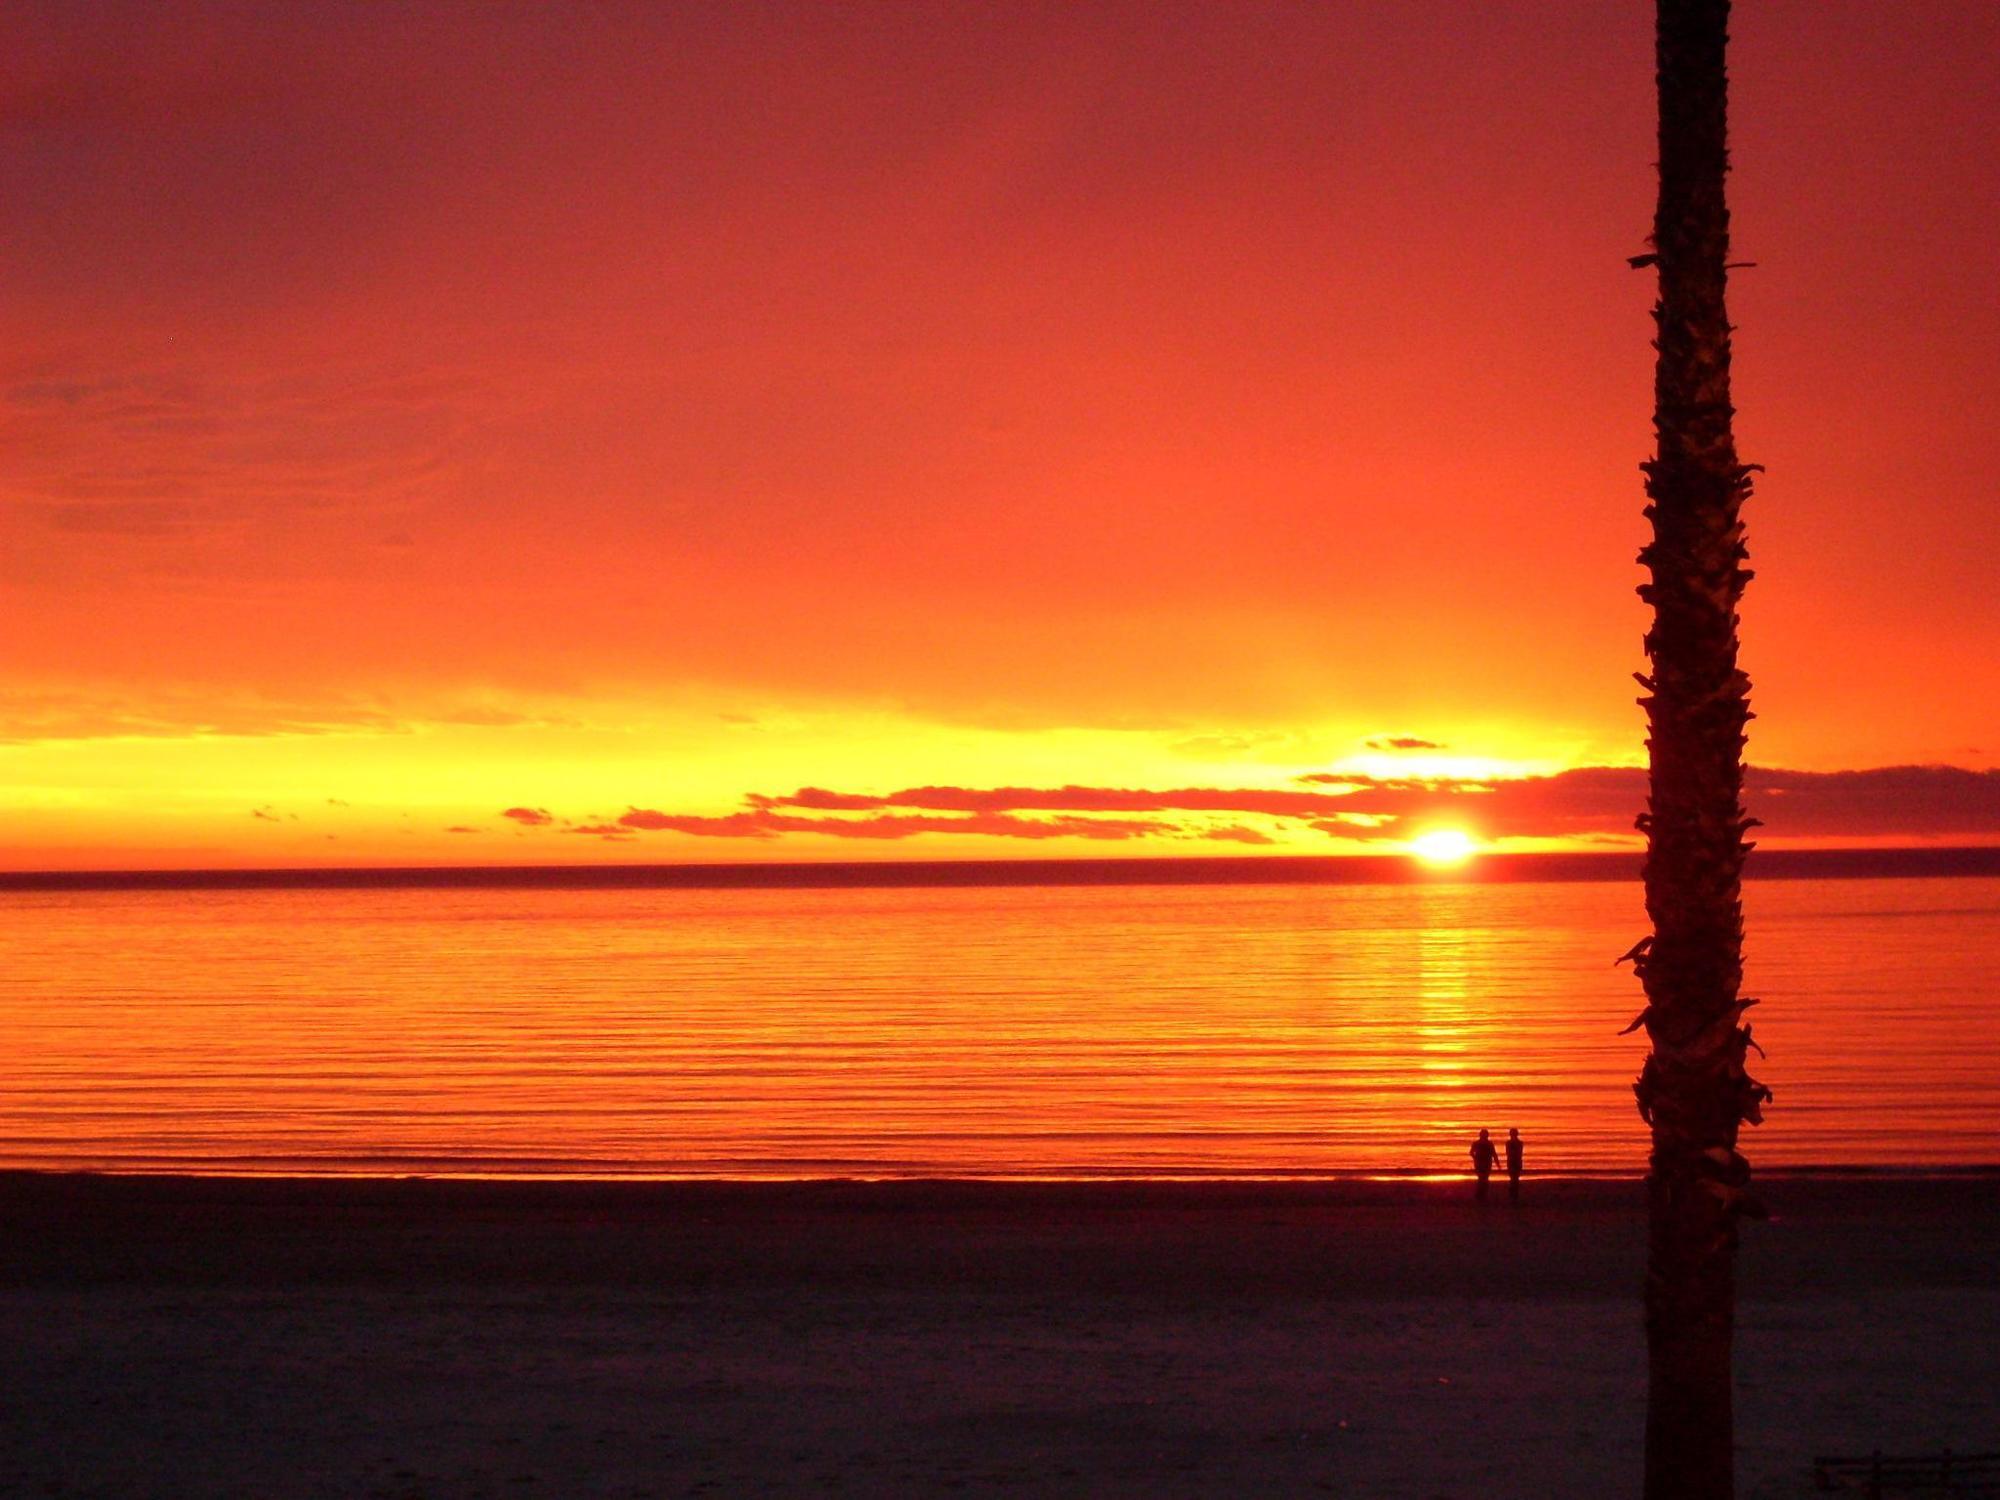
(460, 828)
(742, 825)
(1403, 742)
(530, 817)
(821, 800)
(1348, 782)
(1885, 802)
(1593, 803)
(1918, 800)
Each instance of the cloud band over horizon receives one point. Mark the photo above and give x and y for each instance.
(1591, 803)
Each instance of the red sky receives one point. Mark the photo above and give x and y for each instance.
(412, 412)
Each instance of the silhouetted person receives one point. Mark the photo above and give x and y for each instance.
(1482, 1163)
(1514, 1166)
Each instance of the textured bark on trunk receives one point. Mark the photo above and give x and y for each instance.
(1693, 1090)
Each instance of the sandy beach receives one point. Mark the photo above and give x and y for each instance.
(202, 1337)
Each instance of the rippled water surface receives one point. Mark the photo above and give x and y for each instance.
(1040, 1031)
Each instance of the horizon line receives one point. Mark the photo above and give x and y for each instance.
(1520, 867)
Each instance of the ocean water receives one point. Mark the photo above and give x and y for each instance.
(1016, 1031)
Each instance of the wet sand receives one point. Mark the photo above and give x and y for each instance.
(203, 1337)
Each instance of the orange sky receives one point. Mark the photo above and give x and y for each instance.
(411, 413)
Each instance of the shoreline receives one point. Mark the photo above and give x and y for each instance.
(1329, 1188)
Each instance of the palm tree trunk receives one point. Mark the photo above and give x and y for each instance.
(1693, 1090)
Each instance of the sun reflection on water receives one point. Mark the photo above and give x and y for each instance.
(1246, 1030)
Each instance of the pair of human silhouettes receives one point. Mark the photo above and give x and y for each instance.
(1484, 1155)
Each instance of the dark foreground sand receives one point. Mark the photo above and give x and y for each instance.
(163, 1337)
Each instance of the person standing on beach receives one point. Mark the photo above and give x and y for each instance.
(1514, 1153)
(1482, 1163)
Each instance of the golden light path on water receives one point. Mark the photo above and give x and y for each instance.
(1248, 1030)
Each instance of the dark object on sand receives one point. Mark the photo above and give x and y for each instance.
(1880, 1475)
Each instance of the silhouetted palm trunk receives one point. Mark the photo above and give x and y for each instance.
(1693, 1090)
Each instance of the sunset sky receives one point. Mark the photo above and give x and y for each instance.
(452, 433)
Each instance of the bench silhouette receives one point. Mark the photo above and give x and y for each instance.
(1885, 1474)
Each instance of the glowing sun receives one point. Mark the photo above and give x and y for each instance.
(1444, 846)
